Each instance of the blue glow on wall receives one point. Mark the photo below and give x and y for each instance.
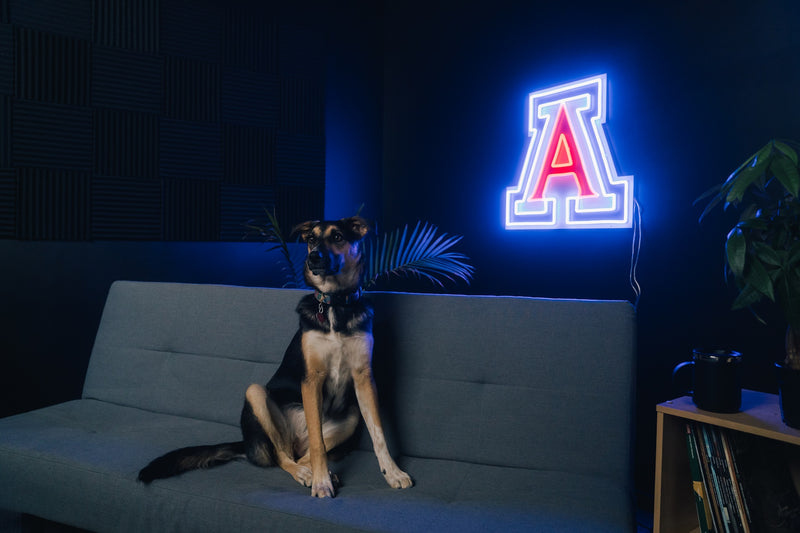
(568, 177)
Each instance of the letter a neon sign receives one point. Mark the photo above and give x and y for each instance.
(568, 177)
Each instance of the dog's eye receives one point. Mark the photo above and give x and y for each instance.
(337, 237)
(311, 240)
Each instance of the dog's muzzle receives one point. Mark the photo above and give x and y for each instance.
(319, 263)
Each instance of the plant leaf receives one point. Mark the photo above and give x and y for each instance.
(717, 198)
(793, 255)
(759, 278)
(748, 296)
(768, 255)
(736, 251)
(423, 253)
(785, 171)
(787, 150)
(747, 173)
(292, 261)
(753, 223)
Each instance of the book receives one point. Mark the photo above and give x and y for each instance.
(725, 479)
(711, 487)
(720, 495)
(737, 486)
(721, 479)
(704, 516)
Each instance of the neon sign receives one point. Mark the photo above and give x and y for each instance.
(568, 177)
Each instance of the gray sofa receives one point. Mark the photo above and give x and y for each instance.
(511, 414)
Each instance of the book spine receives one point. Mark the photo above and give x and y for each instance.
(736, 483)
(698, 486)
(725, 480)
(708, 480)
(717, 476)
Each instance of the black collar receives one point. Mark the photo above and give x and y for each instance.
(338, 298)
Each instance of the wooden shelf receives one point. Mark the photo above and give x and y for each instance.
(674, 503)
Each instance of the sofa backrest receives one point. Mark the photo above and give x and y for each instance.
(186, 349)
(509, 381)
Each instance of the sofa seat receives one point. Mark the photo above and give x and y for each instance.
(96, 448)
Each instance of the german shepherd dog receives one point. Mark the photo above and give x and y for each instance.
(311, 404)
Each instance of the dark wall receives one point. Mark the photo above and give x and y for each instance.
(694, 89)
(236, 97)
(354, 110)
(158, 120)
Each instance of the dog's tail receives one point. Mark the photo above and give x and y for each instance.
(191, 458)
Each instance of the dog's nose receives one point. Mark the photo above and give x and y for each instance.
(315, 257)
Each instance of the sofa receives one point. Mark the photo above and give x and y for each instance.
(510, 413)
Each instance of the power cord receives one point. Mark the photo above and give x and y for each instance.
(636, 246)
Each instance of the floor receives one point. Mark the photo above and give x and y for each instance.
(10, 523)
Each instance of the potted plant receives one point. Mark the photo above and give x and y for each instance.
(763, 248)
(423, 252)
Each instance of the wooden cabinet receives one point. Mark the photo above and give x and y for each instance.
(674, 503)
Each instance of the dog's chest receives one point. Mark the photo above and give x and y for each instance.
(338, 372)
(339, 354)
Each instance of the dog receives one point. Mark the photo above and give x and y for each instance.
(311, 405)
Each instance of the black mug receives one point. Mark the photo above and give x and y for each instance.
(716, 384)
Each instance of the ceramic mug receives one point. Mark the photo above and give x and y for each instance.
(715, 380)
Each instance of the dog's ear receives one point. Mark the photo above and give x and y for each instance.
(357, 226)
(304, 229)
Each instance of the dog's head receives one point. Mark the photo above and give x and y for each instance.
(334, 262)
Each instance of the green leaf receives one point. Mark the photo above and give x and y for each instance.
(741, 183)
(747, 174)
(713, 191)
(768, 255)
(787, 150)
(749, 163)
(758, 277)
(786, 172)
(292, 262)
(718, 196)
(793, 255)
(749, 212)
(754, 223)
(736, 250)
(748, 296)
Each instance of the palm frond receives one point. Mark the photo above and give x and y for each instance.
(270, 231)
(422, 252)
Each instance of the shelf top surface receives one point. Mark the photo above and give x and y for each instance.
(760, 415)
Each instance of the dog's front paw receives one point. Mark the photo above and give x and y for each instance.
(398, 479)
(323, 488)
(302, 474)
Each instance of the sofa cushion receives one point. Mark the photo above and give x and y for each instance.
(189, 350)
(523, 382)
(96, 448)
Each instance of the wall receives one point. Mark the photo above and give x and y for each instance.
(158, 119)
(694, 89)
(353, 110)
(53, 282)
